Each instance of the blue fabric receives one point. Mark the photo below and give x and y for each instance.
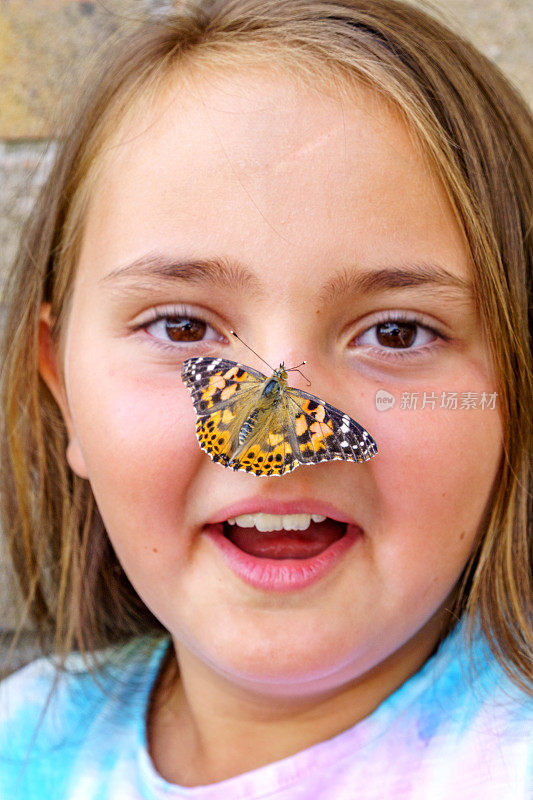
(458, 729)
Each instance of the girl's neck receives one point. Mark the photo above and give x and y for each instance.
(204, 729)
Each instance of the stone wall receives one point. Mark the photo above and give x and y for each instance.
(46, 45)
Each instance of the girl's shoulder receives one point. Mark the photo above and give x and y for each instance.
(469, 680)
(45, 704)
(22, 695)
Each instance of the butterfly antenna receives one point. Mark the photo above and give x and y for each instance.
(295, 369)
(253, 351)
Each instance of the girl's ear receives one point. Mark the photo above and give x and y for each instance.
(51, 375)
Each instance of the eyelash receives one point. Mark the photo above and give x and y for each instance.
(174, 313)
(391, 354)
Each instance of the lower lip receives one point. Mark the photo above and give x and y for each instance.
(282, 575)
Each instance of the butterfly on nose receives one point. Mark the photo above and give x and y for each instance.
(251, 422)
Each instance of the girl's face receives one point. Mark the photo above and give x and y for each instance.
(311, 225)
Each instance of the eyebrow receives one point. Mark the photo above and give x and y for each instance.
(365, 282)
(151, 270)
(154, 270)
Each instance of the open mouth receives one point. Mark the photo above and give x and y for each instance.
(288, 536)
(283, 552)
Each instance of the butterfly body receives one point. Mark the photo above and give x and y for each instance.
(269, 397)
(259, 424)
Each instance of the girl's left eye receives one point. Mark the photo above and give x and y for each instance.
(397, 333)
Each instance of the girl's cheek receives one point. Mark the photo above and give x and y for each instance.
(135, 426)
(142, 455)
(429, 461)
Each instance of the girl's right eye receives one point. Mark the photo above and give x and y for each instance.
(169, 329)
(180, 329)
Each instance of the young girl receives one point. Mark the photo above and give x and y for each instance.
(342, 182)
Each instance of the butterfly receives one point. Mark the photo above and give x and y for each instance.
(259, 424)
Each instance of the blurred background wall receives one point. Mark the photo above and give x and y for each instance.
(45, 48)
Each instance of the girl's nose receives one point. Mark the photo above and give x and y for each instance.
(273, 348)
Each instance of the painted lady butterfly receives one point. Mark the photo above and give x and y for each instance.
(248, 421)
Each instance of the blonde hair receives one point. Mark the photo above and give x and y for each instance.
(477, 134)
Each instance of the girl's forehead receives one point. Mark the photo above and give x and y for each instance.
(258, 122)
(214, 157)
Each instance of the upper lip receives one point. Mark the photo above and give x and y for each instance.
(264, 505)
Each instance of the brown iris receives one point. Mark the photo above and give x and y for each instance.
(396, 333)
(185, 329)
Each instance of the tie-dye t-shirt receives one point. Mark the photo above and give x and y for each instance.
(457, 729)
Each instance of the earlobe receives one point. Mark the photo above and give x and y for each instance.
(51, 374)
(49, 361)
(75, 457)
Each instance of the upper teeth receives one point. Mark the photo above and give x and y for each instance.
(275, 522)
